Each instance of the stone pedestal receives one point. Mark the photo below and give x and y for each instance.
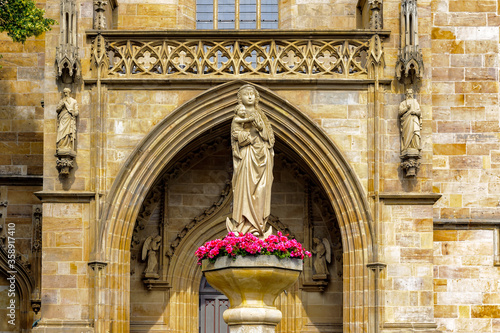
(410, 162)
(252, 284)
(64, 161)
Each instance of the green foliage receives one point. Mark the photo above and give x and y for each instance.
(22, 19)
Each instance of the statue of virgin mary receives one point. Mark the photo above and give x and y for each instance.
(252, 141)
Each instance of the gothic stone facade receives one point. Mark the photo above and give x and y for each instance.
(156, 96)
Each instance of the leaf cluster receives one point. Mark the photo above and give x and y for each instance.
(21, 19)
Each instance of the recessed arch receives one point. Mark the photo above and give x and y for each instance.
(213, 107)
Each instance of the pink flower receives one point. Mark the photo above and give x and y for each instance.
(233, 245)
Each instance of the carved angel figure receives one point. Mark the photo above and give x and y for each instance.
(150, 251)
(252, 141)
(67, 111)
(323, 255)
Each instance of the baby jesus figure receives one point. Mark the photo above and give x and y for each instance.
(241, 117)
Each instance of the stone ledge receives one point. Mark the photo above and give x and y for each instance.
(65, 326)
(64, 196)
(465, 224)
(418, 326)
(6, 180)
(218, 34)
(206, 83)
(409, 198)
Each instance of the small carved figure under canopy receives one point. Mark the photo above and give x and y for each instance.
(150, 251)
(252, 141)
(323, 255)
(410, 118)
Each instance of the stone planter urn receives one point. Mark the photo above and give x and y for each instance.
(252, 284)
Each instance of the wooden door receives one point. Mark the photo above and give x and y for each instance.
(212, 306)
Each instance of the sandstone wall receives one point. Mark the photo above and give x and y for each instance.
(465, 125)
(21, 111)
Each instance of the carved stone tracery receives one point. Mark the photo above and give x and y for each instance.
(182, 58)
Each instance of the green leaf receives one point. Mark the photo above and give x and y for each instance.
(21, 19)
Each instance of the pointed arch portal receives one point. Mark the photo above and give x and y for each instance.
(212, 108)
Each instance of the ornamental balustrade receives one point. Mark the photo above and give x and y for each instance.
(296, 55)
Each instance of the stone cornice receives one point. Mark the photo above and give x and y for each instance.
(409, 198)
(65, 196)
(21, 180)
(449, 224)
(196, 84)
(218, 34)
(409, 325)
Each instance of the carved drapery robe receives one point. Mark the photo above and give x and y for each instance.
(253, 159)
(410, 126)
(66, 124)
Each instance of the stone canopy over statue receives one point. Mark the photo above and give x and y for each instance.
(252, 141)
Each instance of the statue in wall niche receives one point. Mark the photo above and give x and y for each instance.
(252, 141)
(322, 255)
(410, 118)
(150, 252)
(67, 112)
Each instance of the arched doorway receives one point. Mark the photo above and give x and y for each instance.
(302, 137)
(188, 206)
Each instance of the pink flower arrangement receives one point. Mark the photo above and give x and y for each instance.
(248, 244)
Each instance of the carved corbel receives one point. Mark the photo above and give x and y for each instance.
(410, 63)
(67, 58)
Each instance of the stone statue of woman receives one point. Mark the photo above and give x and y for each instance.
(252, 141)
(411, 123)
(67, 111)
(410, 119)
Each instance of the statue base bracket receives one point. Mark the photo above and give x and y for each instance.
(64, 161)
(410, 162)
